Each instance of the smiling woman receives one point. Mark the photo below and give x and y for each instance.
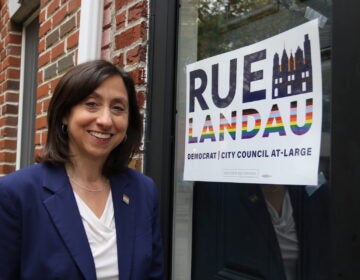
(82, 87)
(95, 217)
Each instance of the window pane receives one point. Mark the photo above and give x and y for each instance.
(244, 231)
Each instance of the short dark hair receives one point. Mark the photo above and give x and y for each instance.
(72, 88)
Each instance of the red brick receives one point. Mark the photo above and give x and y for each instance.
(10, 109)
(37, 139)
(11, 61)
(42, 91)
(8, 132)
(45, 105)
(11, 85)
(12, 73)
(44, 58)
(141, 99)
(53, 84)
(120, 20)
(131, 35)
(119, 60)
(13, 39)
(107, 17)
(8, 144)
(6, 168)
(107, 3)
(73, 5)
(138, 76)
(106, 40)
(44, 137)
(41, 123)
(44, 28)
(59, 16)
(14, 50)
(121, 3)
(42, 16)
(40, 76)
(38, 109)
(106, 53)
(41, 46)
(57, 51)
(11, 97)
(136, 55)
(137, 11)
(72, 40)
(54, 5)
(8, 121)
(7, 157)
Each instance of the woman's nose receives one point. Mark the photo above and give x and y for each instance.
(104, 118)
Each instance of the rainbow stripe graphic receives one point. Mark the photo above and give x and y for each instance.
(191, 139)
(274, 123)
(225, 125)
(300, 130)
(245, 133)
(208, 130)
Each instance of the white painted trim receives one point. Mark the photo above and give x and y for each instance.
(13, 7)
(91, 19)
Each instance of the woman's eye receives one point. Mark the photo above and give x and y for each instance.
(90, 104)
(119, 109)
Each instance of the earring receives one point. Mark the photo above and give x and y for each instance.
(64, 128)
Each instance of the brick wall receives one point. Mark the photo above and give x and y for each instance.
(128, 45)
(124, 42)
(10, 50)
(58, 40)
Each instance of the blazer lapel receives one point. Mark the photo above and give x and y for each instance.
(257, 208)
(64, 212)
(124, 207)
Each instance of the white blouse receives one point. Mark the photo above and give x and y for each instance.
(101, 234)
(285, 230)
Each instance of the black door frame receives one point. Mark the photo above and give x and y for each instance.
(345, 136)
(159, 139)
(345, 141)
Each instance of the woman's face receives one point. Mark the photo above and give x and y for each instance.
(98, 124)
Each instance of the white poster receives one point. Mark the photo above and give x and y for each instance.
(254, 114)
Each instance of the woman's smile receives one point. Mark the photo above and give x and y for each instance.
(100, 135)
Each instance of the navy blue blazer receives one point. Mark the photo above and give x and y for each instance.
(239, 224)
(42, 235)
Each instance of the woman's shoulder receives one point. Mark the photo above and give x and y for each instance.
(32, 171)
(132, 174)
(25, 178)
(139, 182)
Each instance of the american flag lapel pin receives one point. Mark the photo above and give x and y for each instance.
(253, 198)
(126, 199)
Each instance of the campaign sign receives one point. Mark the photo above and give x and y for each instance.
(254, 114)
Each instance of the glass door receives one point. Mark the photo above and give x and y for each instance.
(230, 230)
